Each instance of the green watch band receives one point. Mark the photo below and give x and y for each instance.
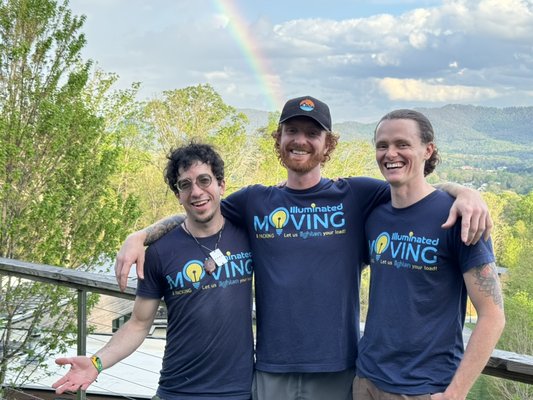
(97, 363)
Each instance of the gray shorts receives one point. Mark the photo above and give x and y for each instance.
(303, 386)
(364, 389)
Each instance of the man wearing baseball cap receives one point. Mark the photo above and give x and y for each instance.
(307, 106)
(307, 240)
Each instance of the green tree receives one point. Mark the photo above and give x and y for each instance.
(176, 117)
(513, 251)
(517, 337)
(518, 243)
(59, 152)
(268, 169)
(353, 158)
(500, 206)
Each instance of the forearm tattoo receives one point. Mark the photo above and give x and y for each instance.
(489, 284)
(155, 231)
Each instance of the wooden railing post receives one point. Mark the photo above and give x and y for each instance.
(82, 331)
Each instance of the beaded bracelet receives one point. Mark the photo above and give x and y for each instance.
(97, 363)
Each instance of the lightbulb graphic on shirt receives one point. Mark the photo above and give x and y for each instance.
(194, 271)
(279, 218)
(381, 244)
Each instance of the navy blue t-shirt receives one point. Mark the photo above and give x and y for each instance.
(412, 342)
(209, 349)
(308, 250)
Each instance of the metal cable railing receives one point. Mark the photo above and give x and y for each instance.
(507, 365)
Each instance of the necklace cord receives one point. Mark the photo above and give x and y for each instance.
(202, 247)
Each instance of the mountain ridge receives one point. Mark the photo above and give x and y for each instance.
(453, 121)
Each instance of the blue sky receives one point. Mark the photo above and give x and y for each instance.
(364, 58)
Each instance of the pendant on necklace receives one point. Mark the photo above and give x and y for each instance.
(209, 265)
(219, 257)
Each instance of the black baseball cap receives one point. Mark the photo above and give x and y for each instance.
(307, 106)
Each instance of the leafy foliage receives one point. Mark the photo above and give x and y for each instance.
(195, 113)
(517, 337)
(513, 240)
(58, 153)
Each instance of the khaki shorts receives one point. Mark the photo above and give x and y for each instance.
(364, 389)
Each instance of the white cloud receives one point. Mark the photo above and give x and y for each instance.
(417, 90)
(418, 40)
(384, 59)
(217, 75)
(509, 19)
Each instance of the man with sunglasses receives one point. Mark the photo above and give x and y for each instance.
(308, 244)
(203, 271)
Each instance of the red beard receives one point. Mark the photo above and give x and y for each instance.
(313, 160)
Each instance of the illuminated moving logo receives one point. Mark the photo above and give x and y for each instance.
(317, 219)
(239, 266)
(279, 218)
(405, 248)
(193, 272)
(381, 244)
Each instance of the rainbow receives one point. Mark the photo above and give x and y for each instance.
(260, 65)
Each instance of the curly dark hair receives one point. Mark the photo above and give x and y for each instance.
(427, 135)
(332, 139)
(185, 156)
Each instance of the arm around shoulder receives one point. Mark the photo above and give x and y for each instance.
(470, 206)
(132, 250)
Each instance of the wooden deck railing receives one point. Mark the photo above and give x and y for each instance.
(503, 364)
